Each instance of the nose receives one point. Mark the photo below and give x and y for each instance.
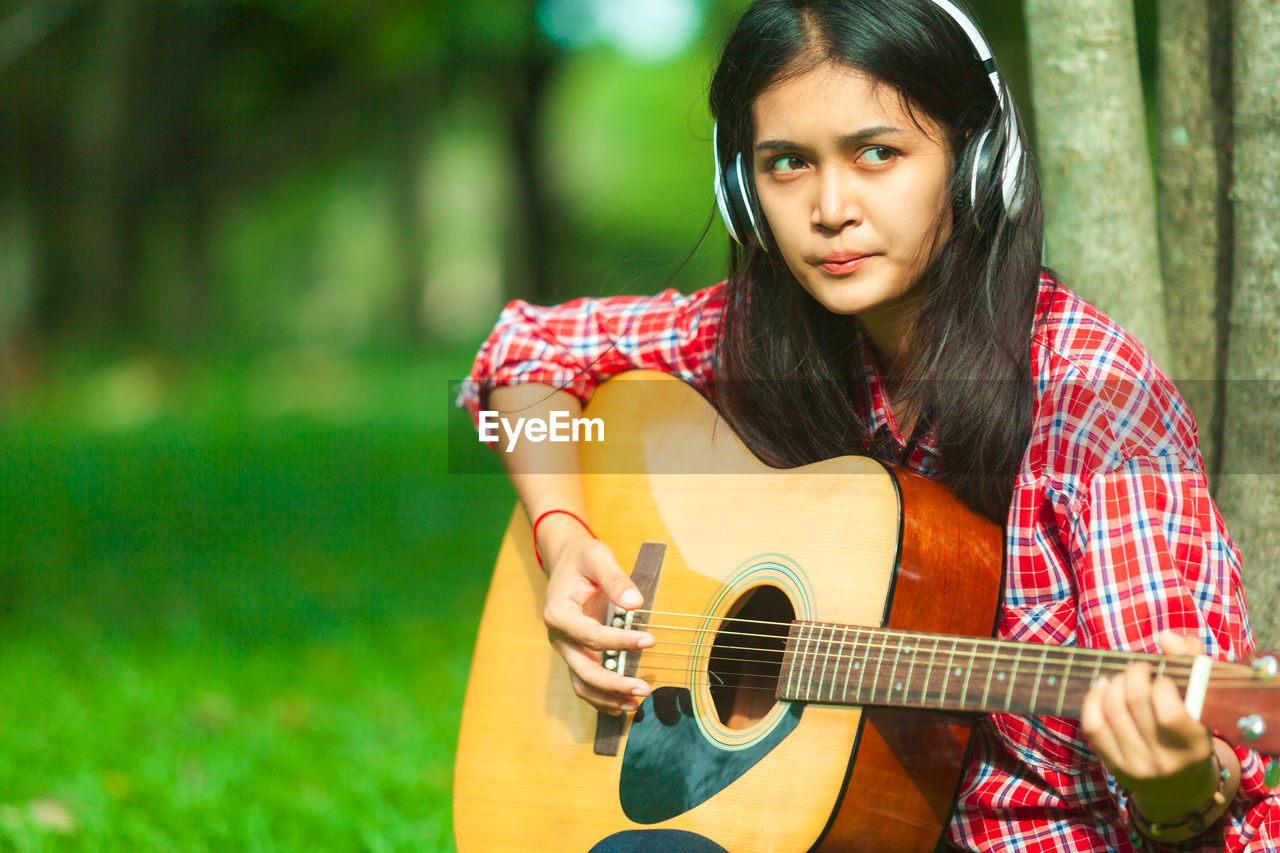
(837, 203)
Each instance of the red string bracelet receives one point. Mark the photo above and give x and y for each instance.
(538, 521)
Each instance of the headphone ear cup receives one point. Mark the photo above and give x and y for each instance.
(981, 172)
(733, 197)
(992, 170)
(738, 198)
(724, 202)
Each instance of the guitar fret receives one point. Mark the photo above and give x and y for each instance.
(848, 665)
(826, 658)
(906, 685)
(1035, 688)
(1066, 676)
(830, 657)
(964, 691)
(991, 670)
(894, 672)
(791, 671)
(808, 685)
(1013, 676)
(876, 678)
(802, 655)
(942, 695)
(862, 672)
(928, 675)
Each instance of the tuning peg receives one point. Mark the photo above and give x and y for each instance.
(1266, 665)
(1272, 777)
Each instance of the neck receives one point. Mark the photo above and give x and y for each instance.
(849, 665)
(890, 330)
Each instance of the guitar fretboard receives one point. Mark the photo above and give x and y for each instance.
(849, 665)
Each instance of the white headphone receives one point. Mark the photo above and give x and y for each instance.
(733, 187)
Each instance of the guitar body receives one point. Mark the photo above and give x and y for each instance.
(847, 540)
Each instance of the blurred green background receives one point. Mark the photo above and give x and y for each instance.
(245, 246)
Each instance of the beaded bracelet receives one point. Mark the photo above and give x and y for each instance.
(1195, 821)
(538, 521)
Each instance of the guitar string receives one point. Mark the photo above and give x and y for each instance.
(1119, 658)
(909, 696)
(1052, 667)
(891, 632)
(1171, 662)
(913, 688)
(931, 658)
(913, 635)
(698, 679)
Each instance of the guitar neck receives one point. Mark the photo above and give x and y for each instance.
(850, 665)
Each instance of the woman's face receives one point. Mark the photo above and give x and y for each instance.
(852, 188)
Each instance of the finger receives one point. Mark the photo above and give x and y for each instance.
(565, 619)
(1178, 729)
(605, 571)
(1180, 645)
(1132, 747)
(1093, 722)
(1137, 695)
(609, 703)
(613, 686)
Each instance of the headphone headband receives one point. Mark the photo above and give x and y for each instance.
(733, 188)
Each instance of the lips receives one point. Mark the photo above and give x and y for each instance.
(844, 263)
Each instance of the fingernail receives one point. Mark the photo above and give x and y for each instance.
(645, 642)
(628, 708)
(632, 599)
(1102, 682)
(640, 691)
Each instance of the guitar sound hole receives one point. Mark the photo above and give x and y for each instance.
(747, 656)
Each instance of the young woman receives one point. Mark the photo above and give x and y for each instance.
(886, 294)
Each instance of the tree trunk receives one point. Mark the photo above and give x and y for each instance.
(1098, 185)
(1194, 212)
(523, 105)
(1250, 490)
(109, 169)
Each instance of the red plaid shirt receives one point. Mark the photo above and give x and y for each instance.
(1111, 536)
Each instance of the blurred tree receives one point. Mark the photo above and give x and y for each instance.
(127, 115)
(1098, 187)
(1250, 490)
(1194, 169)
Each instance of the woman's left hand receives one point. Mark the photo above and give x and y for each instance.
(1141, 730)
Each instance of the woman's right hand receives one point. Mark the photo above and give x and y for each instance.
(584, 577)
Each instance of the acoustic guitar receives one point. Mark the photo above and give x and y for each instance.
(823, 643)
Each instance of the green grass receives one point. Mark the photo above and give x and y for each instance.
(222, 629)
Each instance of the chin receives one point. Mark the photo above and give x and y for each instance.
(845, 304)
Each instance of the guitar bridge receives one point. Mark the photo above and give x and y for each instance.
(645, 576)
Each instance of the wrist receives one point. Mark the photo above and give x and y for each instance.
(553, 531)
(1185, 805)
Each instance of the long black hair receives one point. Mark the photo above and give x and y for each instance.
(787, 362)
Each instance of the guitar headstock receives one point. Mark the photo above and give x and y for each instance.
(1243, 706)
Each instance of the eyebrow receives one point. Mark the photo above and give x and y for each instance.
(845, 141)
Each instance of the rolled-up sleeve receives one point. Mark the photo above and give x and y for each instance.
(579, 344)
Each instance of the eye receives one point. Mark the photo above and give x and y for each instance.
(879, 155)
(786, 164)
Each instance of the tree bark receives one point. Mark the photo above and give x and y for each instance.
(1098, 185)
(1250, 490)
(1194, 212)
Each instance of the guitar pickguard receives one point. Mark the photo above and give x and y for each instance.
(670, 767)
